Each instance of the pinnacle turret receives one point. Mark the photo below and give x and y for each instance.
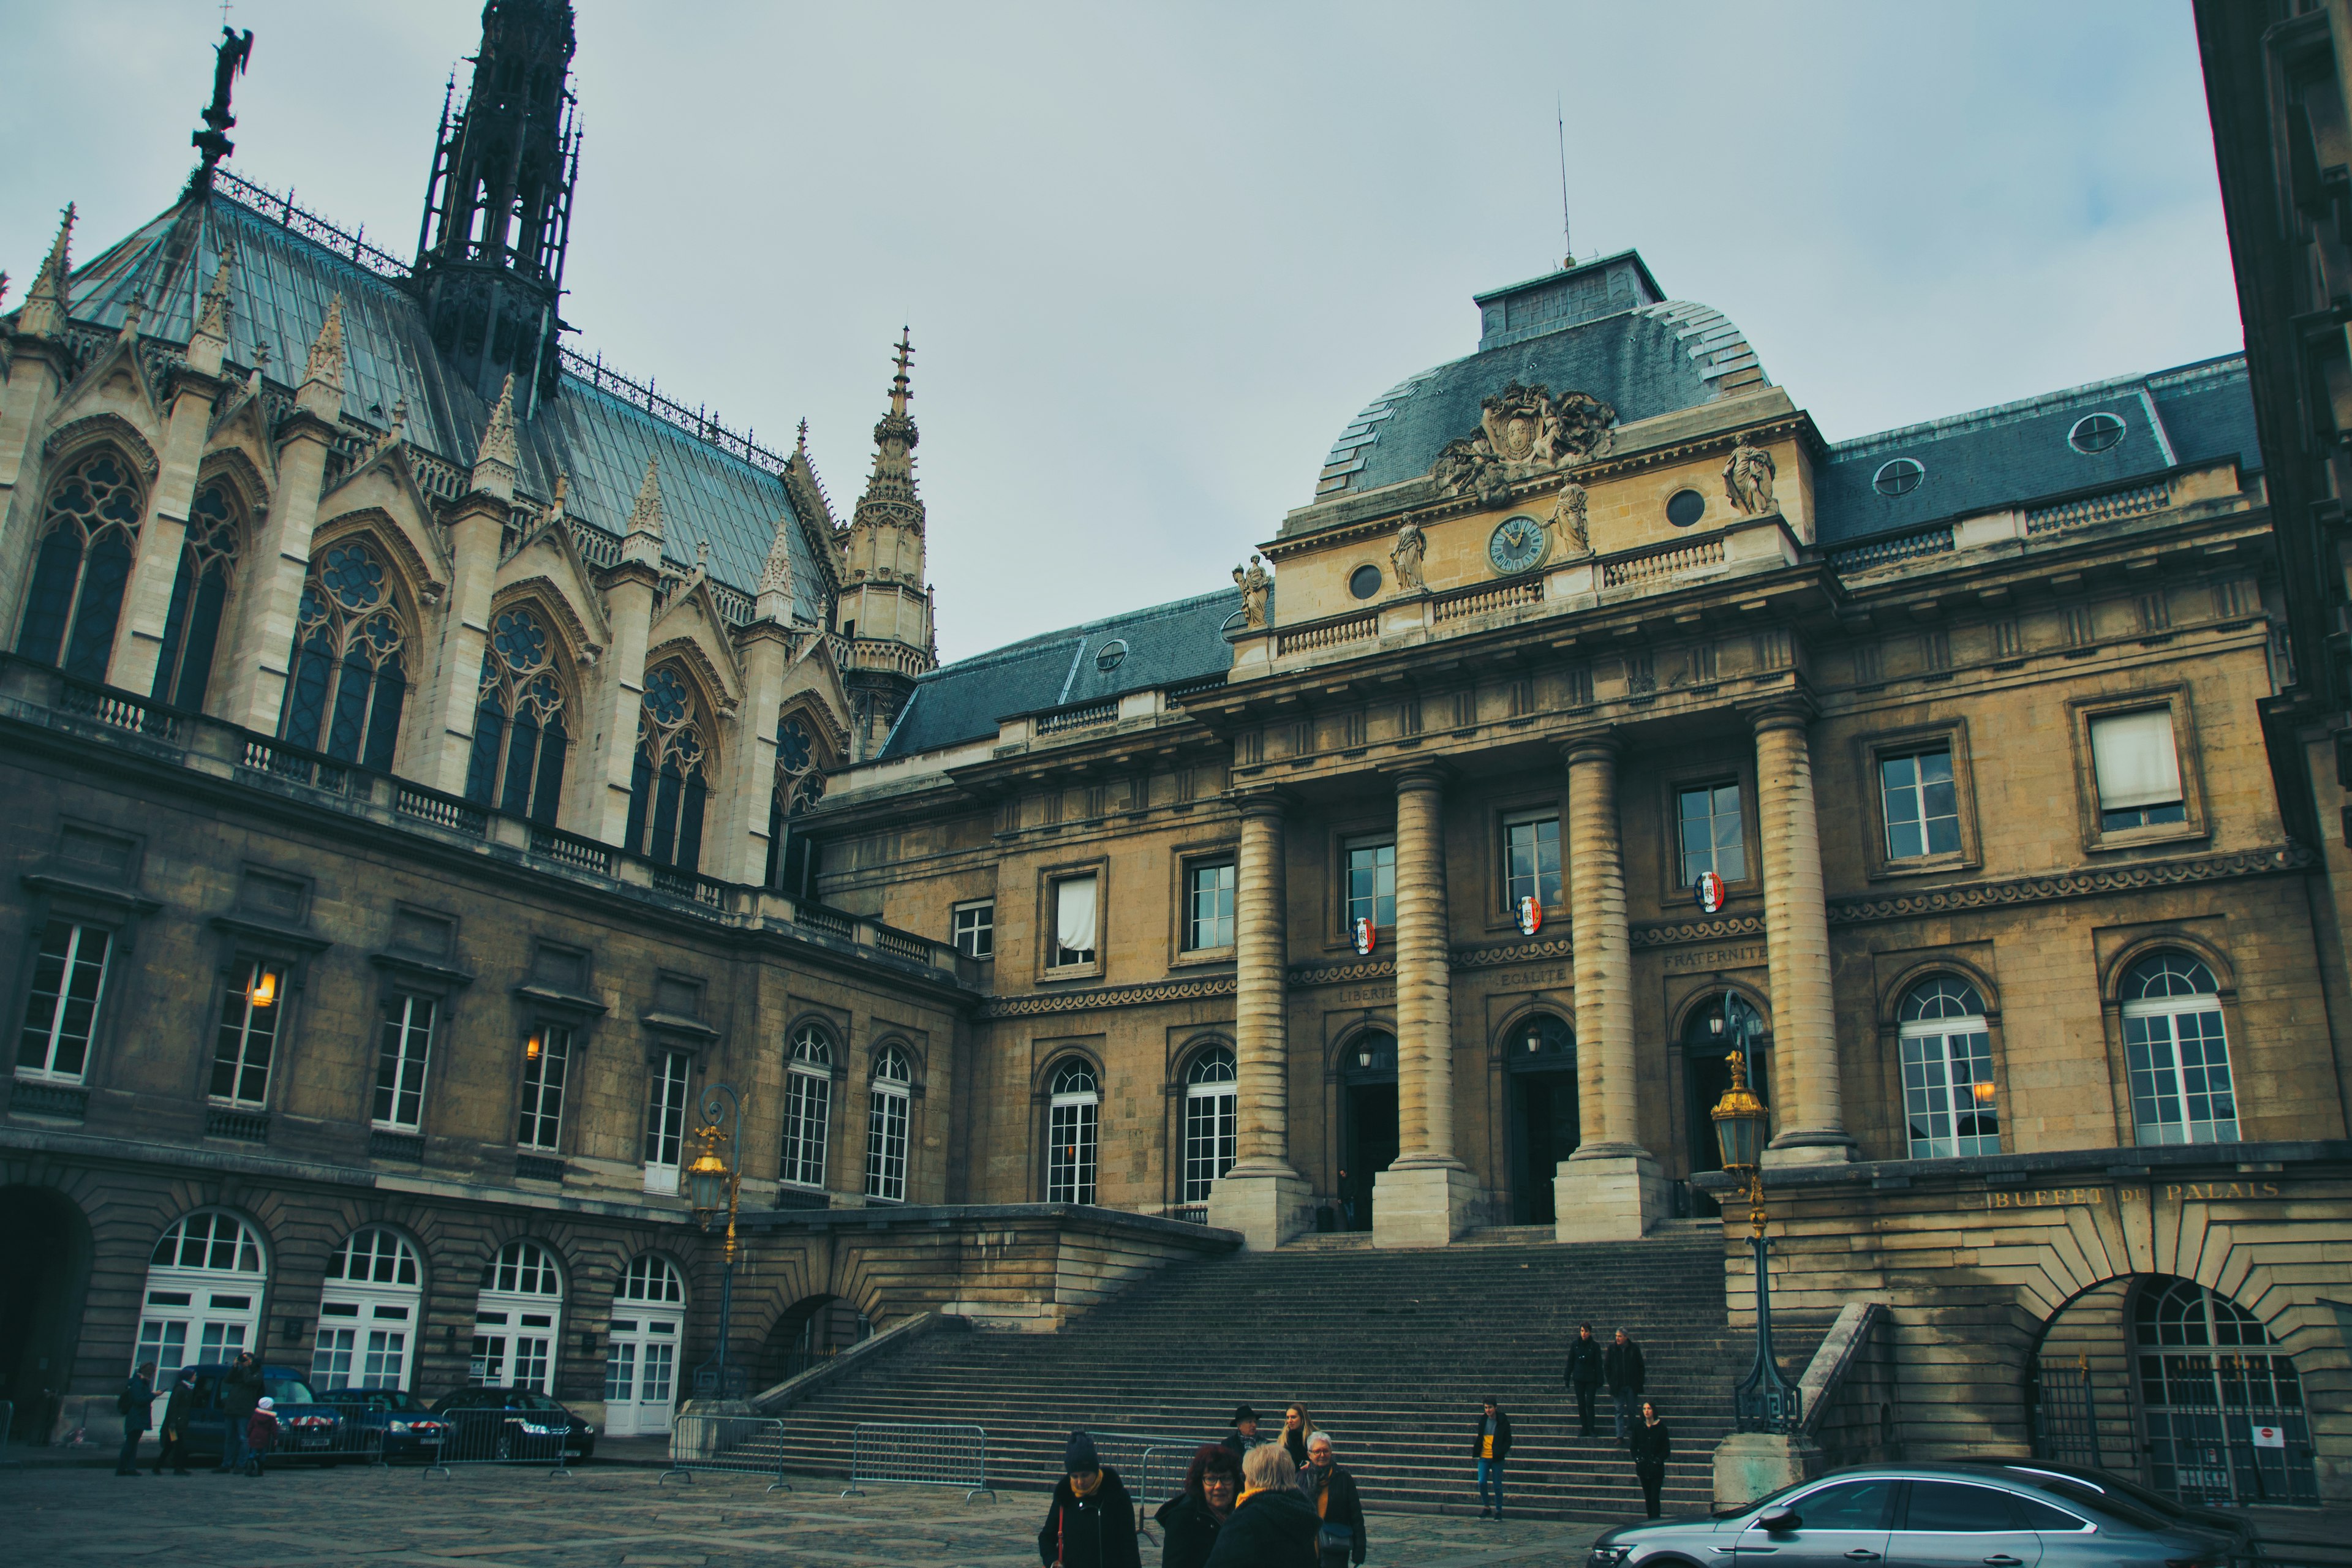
(891, 491)
(209, 342)
(775, 591)
(495, 459)
(44, 315)
(642, 545)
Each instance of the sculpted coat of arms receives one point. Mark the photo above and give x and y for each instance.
(1524, 431)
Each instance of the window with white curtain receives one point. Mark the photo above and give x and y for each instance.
(1073, 1122)
(885, 1126)
(808, 1102)
(1074, 920)
(2138, 769)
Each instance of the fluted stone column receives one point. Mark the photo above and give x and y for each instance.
(1425, 1197)
(1806, 1073)
(1262, 1197)
(1611, 1188)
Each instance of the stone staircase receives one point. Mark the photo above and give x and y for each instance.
(1390, 1350)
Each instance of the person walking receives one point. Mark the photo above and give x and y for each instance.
(240, 1393)
(1296, 1426)
(1583, 1376)
(1622, 1366)
(1653, 1446)
(1191, 1520)
(1243, 1435)
(137, 1398)
(1490, 1445)
(174, 1451)
(1091, 1523)
(1273, 1525)
(1340, 1539)
(260, 1435)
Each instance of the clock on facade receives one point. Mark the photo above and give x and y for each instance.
(1518, 544)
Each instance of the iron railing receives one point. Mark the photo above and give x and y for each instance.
(742, 1445)
(918, 1453)
(503, 1437)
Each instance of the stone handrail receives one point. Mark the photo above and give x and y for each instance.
(775, 1401)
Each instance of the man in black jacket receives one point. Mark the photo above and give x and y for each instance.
(1332, 1490)
(1092, 1521)
(137, 1395)
(1624, 1369)
(1490, 1445)
(240, 1391)
(1583, 1376)
(1243, 1435)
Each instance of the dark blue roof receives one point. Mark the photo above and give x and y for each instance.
(2019, 453)
(1166, 645)
(282, 284)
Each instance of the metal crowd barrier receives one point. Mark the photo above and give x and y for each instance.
(313, 1437)
(743, 1445)
(1146, 1462)
(918, 1453)
(501, 1438)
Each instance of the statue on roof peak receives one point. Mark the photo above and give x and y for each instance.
(230, 57)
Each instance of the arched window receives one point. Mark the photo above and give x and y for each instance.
(885, 1126)
(90, 531)
(202, 1302)
(348, 680)
(1211, 1121)
(666, 786)
(2208, 1366)
(641, 1349)
(199, 595)
(808, 1106)
(653, 1279)
(1072, 1123)
(369, 1313)
(520, 738)
(516, 1319)
(1949, 1104)
(800, 784)
(2177, 1052)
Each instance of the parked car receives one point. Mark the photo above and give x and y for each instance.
(2234, 1525)
(405, 1424)
(519, 1424)
(307, 1429)
(1935, 1516)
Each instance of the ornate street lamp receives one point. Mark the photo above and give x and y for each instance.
(714, 1187)
(1763, 1401)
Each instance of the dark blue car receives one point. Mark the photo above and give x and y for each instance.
(307, 1428)
(392, 1420)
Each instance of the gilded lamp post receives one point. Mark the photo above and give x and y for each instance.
(714, 1186)
(1763, 1401)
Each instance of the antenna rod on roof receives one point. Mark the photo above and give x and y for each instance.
(1568, 246)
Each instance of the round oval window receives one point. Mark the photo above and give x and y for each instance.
(2096, 432)
(1685, 508)
(1112, 653)
(1364, 582)
(1898, 477)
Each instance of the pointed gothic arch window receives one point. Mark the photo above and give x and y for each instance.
(90, 531)
(667, 788)
(349, 677)
(520, 738)
(199, 595)
(800, 784)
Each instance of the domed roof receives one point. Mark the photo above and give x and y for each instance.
(1601, 328)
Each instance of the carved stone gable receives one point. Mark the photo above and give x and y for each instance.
(1524, 432)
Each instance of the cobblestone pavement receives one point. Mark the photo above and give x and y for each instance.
(600, 1516)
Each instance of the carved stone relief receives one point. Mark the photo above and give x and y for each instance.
(1524, 431)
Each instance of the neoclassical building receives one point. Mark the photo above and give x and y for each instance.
(440, 763)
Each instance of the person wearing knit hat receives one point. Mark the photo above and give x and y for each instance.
(1092, 1521)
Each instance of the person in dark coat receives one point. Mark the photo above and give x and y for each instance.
(1191, 1520)
(1624, 1369)
(1243, 1435)
(240, 1392)
(1092, 1521)
(1273, 1525)
(1332, 1490)
(1653, 1446)
(134, 1401)
(174, 1451)
(1490, 1445)
(1583, 1376)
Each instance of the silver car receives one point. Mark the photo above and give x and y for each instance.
(1931, 1516)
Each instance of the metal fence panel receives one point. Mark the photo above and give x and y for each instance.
(341, 1440)
(502, 1438)
(1146, 1461)
(921, 1454)
(744, 1444)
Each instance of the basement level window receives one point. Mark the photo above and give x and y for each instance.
(1898, 477)
(2096, 433)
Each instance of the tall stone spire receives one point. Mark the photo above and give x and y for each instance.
(775, 594)
(891, 491)
(884, 607)
(44, 315)
(321, 390)
(212, 314)
(495, 459)
(642, 545)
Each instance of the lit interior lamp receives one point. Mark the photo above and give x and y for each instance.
(262, 990)
(1984, 1093)
(1364, 1055)
(530, 1049)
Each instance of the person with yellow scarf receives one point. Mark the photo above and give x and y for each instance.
(1273, 1525)
(1092, 1521)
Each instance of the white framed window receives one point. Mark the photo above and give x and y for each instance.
(1713, 835)
(641, 1349)
(974, 928)
(1073, 1124)
(252, 1002)
(1920, 803)
(517, 1319)
(1949, 1104)
(369, 1311)
(666, 1096)
(1531, 857)
(808, 1107)
(1075, 918)
(1212, 1122)
(885, 1126)
(1207, 905)
(69, 978)
(2137, 766)
(400, 1061)
(1371, 881)
(546, 1063)
(206, 1283)
(2177, 1051)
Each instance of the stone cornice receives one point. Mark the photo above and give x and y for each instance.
(1674, 933)
(2070, 885)
(1032, 1003)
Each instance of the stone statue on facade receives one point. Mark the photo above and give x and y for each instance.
(1567, 517)
(1405, 556)
(1253, 585)
(1524, 432)
(1747, 476)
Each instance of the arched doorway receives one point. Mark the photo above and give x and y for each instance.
(1726, 1023)
(517, 1320)
(641, 1347)
(1368, 1121)
(806, 1332)
(45, 1239)
(1539, 1064)
(371, 1311)
(206, 1281)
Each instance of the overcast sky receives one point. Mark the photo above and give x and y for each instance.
(1155, 256)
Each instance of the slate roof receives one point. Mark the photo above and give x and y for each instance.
(1167, 645)
(282, 284)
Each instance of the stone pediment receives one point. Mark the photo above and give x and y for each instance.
(1524, 432)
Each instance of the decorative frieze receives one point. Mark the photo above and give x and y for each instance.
(2070, 885)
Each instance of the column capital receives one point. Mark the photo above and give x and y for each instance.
(1591, 745)
(1793, 710)
(1422, 774)
(1265, 801)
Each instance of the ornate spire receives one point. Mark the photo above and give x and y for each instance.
(494, 459)
(891, 492)
(212, 316)
(44, 315)
(133, 313)
(775, 591)
(326, 365)
(642, 541)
